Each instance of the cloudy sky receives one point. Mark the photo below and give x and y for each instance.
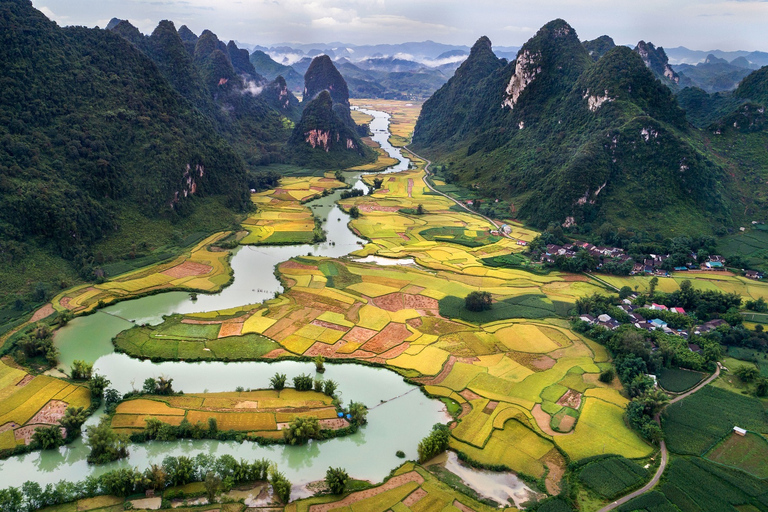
(697, 24)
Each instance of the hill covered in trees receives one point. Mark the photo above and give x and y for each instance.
(582, 135)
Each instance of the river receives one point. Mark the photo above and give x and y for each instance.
(399, 417)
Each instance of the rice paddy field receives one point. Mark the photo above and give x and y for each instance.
(261, 413)
(513, 376)
(723, 281)
(410, 488)
(27, 402)
(204, 268)
(402, 121)
(281, 217)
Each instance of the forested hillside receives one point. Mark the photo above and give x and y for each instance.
(99, 156)
(582, 142)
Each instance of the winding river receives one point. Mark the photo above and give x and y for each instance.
(399, 417)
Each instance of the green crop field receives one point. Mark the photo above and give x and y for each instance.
(613, 477)
(677, 380)
(695, 424)
(748, 453)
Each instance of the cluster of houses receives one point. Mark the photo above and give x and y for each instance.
(640, 322)
(649, 266)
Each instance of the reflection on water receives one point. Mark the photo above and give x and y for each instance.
(398, 422)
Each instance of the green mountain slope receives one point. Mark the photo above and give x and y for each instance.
(576, 142)
(326, 135)
(97, 145)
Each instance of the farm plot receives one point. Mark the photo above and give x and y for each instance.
(695, 424)
(27, 403)
(403, 115)
(391, 316)
(748, 453)
(281, 217)
(245, 411)
(409, 488)
(613, 477)
(678, 380)
(203, 269)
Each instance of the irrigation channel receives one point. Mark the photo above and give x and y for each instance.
(399, 417)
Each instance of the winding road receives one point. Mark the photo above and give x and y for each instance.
(433, 189)
(664, 453)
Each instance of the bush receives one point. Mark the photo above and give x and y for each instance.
(435, 443)
(478, 301)
(336, 480)
(301, 430)
(303, 382)
(281, 486)
(278, 381)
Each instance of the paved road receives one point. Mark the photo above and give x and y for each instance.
(664, 453)
(433, 189)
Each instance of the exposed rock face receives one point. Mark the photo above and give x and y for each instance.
(657, 61)
(594, 102)
(321, 128)
(526, 69)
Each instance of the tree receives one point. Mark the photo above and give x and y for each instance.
(359, 413)
(212, 485)
(652, 286)
(73, 419)
(81, 370)
(302, 429)
(156, 476)
(48, 437)
(478, 301)
(319, 364)
(302, 382)
(150, 385)
(746, 373)
(354, 212)
(608, 375)
(336, 480)
(625, 292)
(213, 427)
(111, 399)
(98, 384)
(420, 209)
(761, 387)
(277, 381)
(435, 443)
(281, 486)
(329, 387)
(106, 445)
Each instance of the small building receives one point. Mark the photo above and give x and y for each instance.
(658, 323)
(740, 431)
(658, 307)
(588, 318)
(636, 318)
(679, 311)
(753, 274)
(694, 348)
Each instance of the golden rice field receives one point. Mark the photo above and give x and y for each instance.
(511, 372)
(403, 116)
(22, 398)
(726, 282)
(202, 269)
(247, 411)
(396, 234)
(281, 217)
(410, 488)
